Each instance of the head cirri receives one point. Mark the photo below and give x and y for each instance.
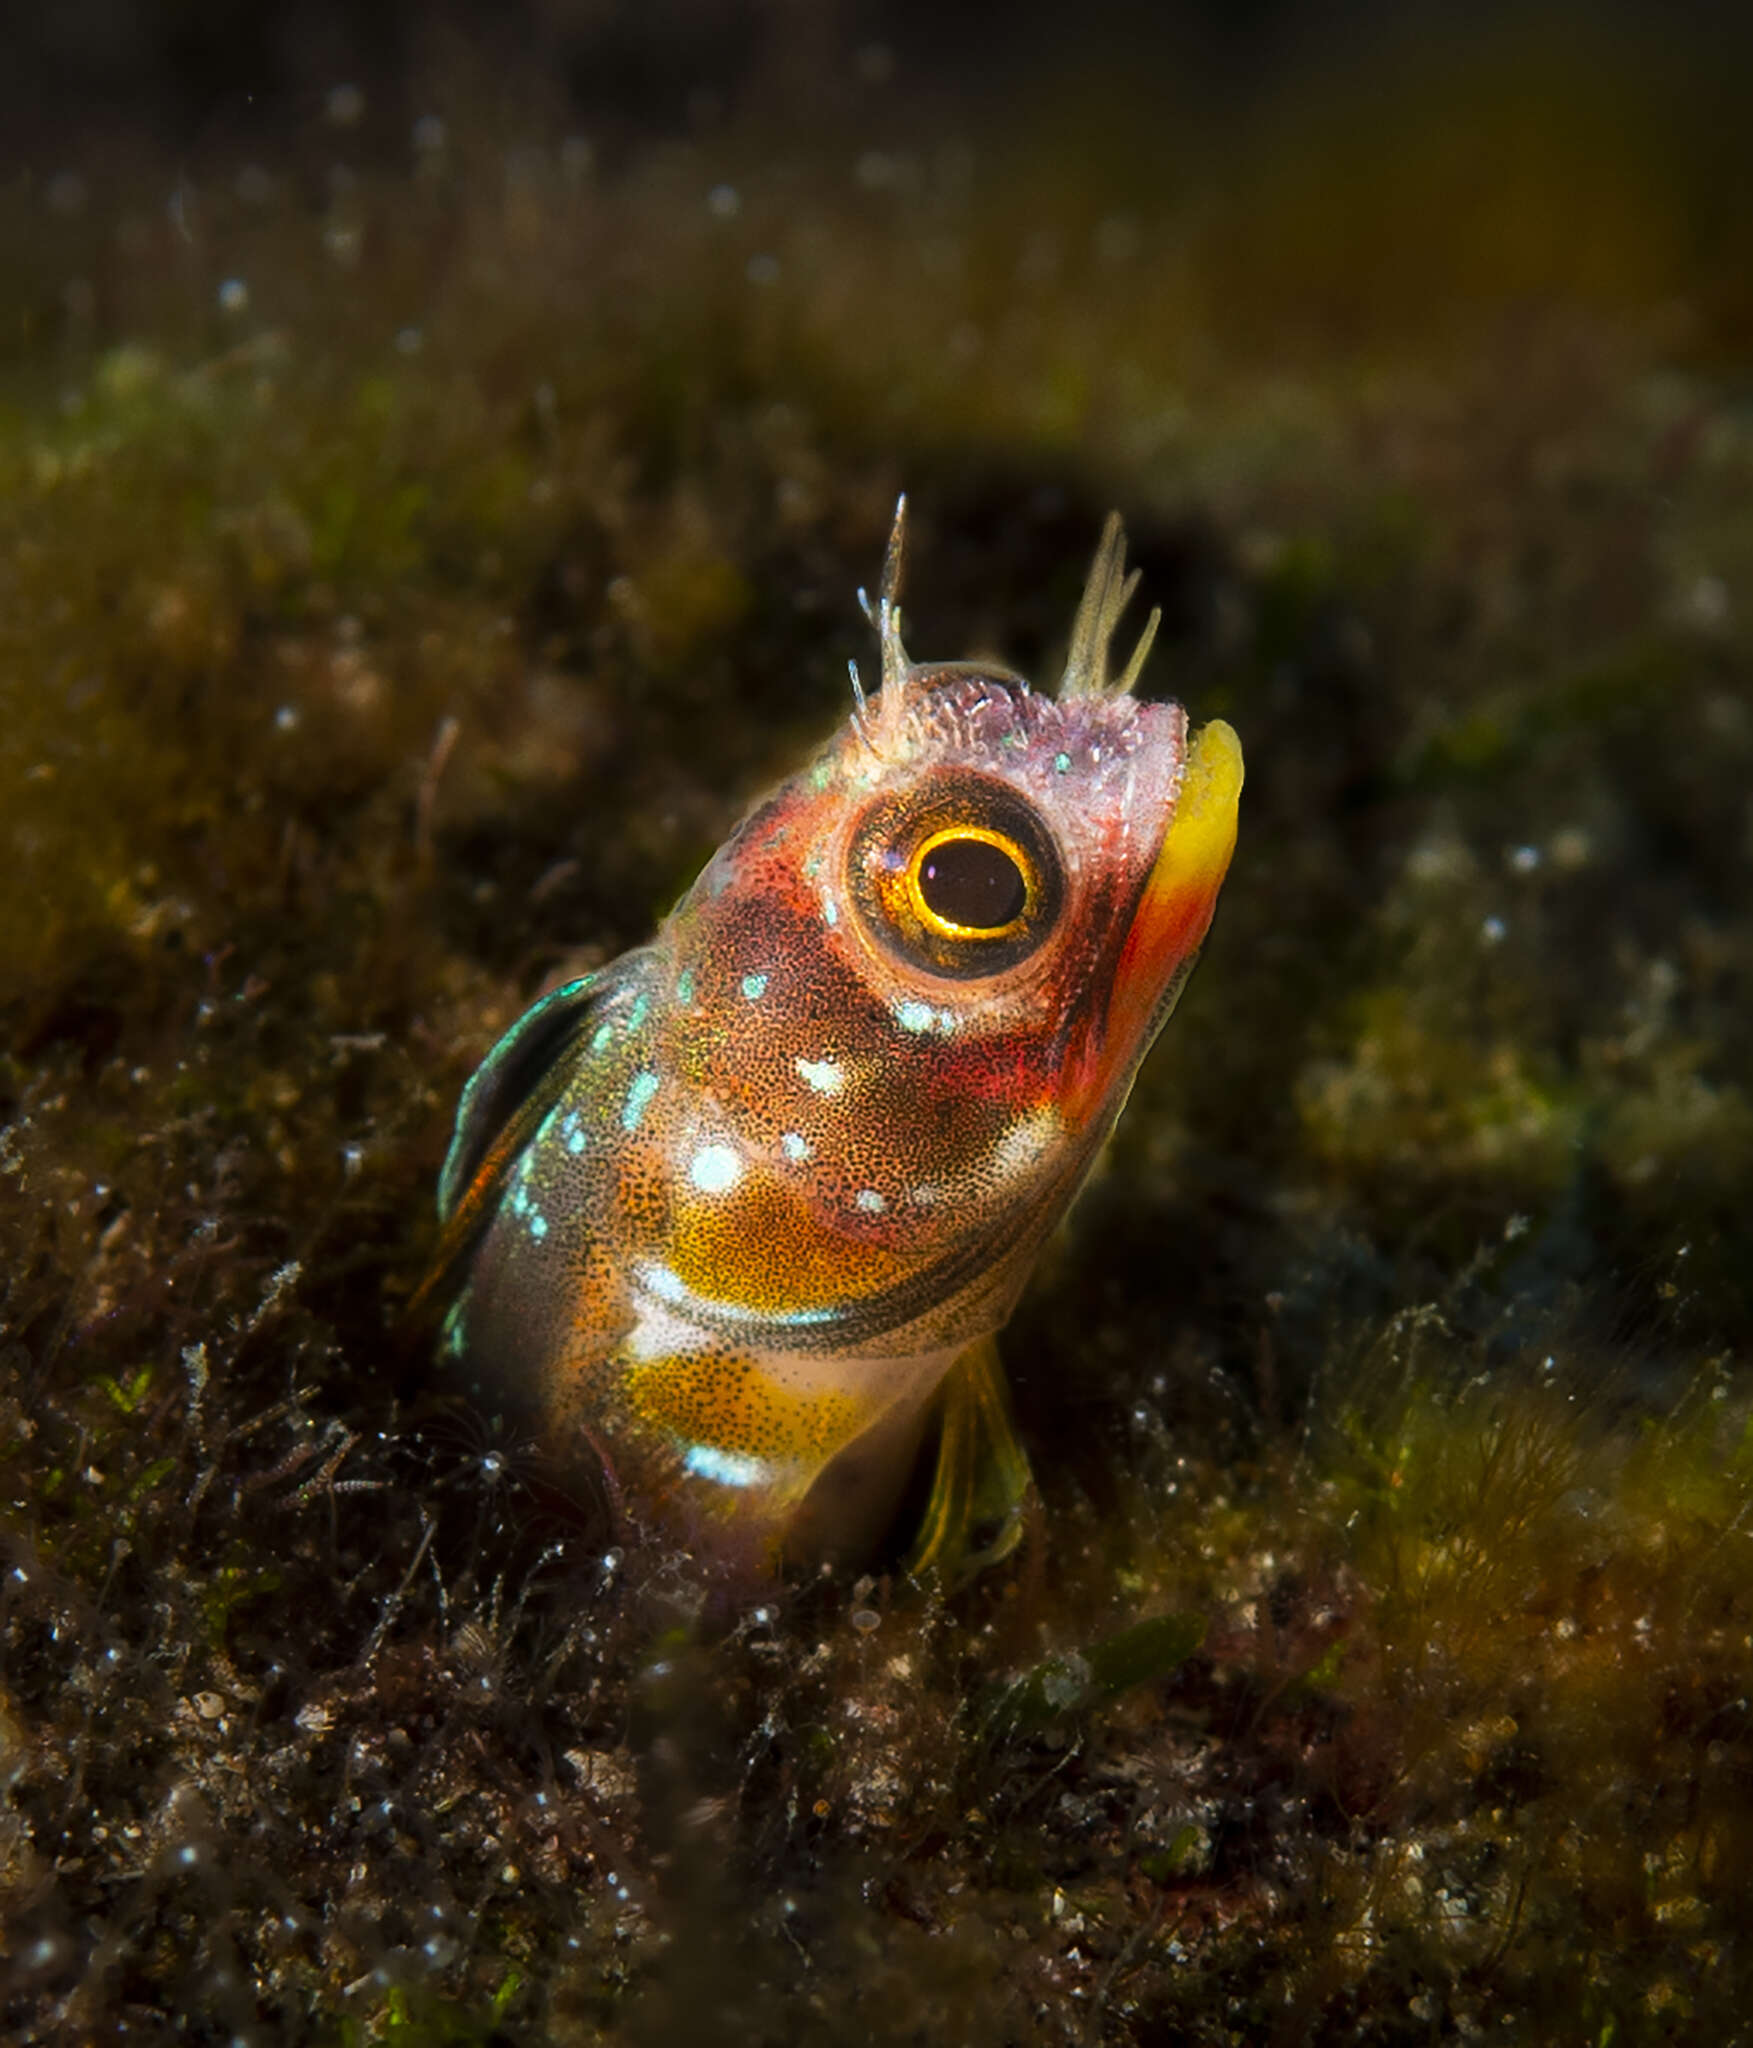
(731, 1224)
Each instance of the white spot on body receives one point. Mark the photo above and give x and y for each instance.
(715, 1169)
(870, 1201)
(1024, 1143)
(754, 987)
(795, 1146)
(917, 1016)
(826, 1077)
(729, 1468)
(640, 1090)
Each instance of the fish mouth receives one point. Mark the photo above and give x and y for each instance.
(1172, 916)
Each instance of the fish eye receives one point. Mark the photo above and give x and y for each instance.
(960, 875)
(968, 880)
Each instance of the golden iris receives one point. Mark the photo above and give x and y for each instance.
(961, 878)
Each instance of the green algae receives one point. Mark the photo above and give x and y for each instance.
(1379, 1667)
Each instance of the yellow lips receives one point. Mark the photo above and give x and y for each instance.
(1182, 891)
(1175, 910)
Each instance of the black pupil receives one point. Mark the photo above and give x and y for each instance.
(974, 883)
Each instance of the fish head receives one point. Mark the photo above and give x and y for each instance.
(921, 977)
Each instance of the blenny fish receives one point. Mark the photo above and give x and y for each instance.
(730, 1224)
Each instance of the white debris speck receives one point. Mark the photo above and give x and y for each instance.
(345, 106)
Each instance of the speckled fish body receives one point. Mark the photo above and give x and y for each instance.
(731, 1221)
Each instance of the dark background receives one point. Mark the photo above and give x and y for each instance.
(1407, 164)
(193, 74)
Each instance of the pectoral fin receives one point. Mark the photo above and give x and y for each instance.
(502, 1108)
(975, 1515)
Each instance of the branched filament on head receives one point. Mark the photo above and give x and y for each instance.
(883, 733)
(1105, 596)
